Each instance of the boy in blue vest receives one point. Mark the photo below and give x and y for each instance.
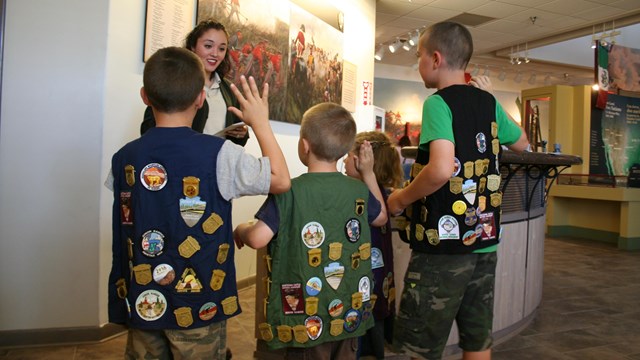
(173, 277)
(454, 199)
(319, 300)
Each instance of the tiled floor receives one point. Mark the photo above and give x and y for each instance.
(590, 310)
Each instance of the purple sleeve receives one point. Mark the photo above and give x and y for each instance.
(373, 208)
(268, 213)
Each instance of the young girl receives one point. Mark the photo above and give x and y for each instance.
(388, 171)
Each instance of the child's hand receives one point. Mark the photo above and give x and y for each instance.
(364, 159)
(254, 109)
(236, 238)
(482, 82)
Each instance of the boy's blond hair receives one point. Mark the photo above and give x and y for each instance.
(386, 164)
(173, 78)
(452, 40)
(330, 130)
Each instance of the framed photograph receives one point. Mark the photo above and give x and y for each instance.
(167, 22)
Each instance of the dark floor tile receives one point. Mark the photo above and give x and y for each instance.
(49, 353)
(598, 353)
(570, 340)
(530, 353)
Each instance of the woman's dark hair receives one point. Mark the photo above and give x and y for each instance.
(192, 39)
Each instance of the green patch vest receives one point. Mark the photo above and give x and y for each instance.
(321, 279)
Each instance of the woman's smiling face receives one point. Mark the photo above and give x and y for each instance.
(211, 48)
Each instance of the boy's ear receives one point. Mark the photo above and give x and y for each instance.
(200, 99)
(305, 145)
(143, 95)
(437, 59)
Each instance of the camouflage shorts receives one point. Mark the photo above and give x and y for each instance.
(439, 289)
(209, 342)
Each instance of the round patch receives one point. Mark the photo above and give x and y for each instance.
(164, 274)
(352, 229)
(366, 311)
(314, 327)
(151, 305)
(314, 285)
(152, 243)
(479, 231)
(459, 207)
(351, 320)
(470, 216)
(208, 311)
(312, 234)
(481, 142)
(469, 238)
(456, 167)
(153, 177)
(335, 307)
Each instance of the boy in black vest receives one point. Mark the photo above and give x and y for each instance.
(173, 278)
(320, 298)
(454, 199)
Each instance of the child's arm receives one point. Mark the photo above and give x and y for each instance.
(364, 165)
(255, 234)
(255, 113)
(433, 176)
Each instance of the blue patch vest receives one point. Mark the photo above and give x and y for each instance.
(173, 248)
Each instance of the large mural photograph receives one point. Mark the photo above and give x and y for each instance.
(315, 63)
(402, 101)
(258, 43)
(280, 43)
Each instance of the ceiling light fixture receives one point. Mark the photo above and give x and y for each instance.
(503, 75)
(395, 46)
(547, 80)
(475, 70)
(380, 53)
(486, 72)
(532, 79)
(526, 53)
(414, 39)
(406, 44)
(518, 77)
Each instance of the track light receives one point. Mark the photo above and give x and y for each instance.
(487, 72)
(518, 77)
(406, 45)
(380, 53)
(395, 46)
(475, 70)
(413, 41)
(503, 75)
(532, 79)
(547, 80)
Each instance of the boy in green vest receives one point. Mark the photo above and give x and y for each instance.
(319, 298)
(454, 199)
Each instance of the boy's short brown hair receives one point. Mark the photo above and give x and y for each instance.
(452, 40)
(330, 130)
(173, 78)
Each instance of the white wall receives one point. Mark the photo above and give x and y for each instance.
(50, 159)
(505, 92)
(72, 72)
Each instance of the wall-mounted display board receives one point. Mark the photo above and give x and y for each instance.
(167, 22)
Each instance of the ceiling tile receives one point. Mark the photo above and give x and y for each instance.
(527, 3)
(459, 5)
(597, 13)
(395, 7)
(498, 10)
(627, 4)
(383, 19)
(434, 14)
(567, 7)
